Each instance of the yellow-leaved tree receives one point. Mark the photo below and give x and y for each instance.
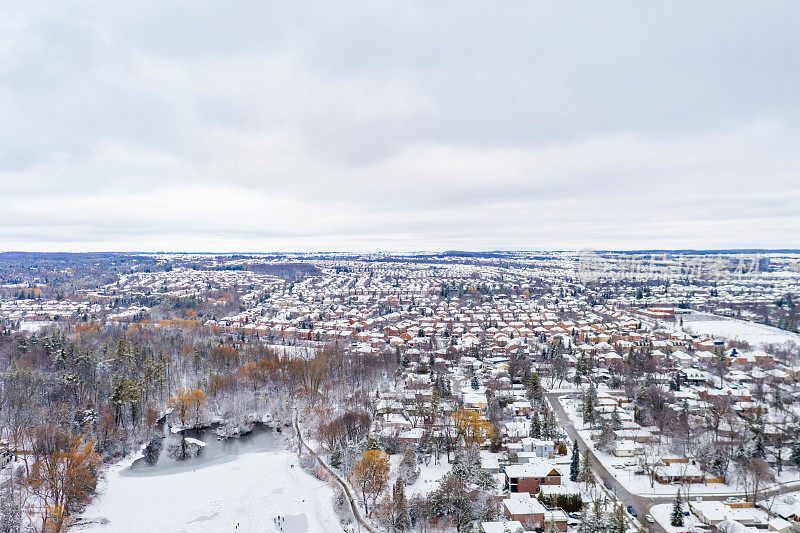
(63, 475)
(370, 475)
(187, 402)
(472, 426)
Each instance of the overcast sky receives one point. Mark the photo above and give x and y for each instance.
(260, 126)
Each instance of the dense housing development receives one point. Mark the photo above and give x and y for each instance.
(494, 392)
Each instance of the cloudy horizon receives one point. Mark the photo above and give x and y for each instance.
(263, 126)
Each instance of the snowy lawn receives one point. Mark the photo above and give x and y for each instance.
(249, 491)
(662, 514)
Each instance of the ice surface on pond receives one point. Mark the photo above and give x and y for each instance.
(250, 491)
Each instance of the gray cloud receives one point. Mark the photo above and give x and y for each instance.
(359, 125)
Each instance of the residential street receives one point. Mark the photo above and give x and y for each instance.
(642, 504)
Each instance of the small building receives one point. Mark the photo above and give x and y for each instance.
(557, 517)
(675, 472)
(714, 512)
(542, 448)
(780, 525)
(627, 448)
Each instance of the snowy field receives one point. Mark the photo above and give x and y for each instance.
(732, 328)
(296, 352)
(33, 326)
(248, 491)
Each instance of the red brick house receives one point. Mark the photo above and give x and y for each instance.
(529, 476)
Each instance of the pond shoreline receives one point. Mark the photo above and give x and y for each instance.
(248, 487)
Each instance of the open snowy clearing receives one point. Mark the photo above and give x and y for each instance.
(249, 491)
(295, 352)
(735, 329)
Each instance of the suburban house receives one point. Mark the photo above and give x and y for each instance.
(678, 472)
(525, 509)
(529, 476)
(627, 448)
(542, 448)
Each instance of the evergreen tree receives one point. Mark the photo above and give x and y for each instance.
(618, 520)
(401, 520)
(536, 426)
(759, 449)
(425, 446)
(549, 428)
(777, 400)
(409, 467)
(589, 404)
(586, 470)
(616, 421)
(593, 520)
(574, 466)
(580, 368)
(676, 519)
(535, 388)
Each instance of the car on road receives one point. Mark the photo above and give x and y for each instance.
(632, 511)
(649, 518)
(631, 463)
(608, 485)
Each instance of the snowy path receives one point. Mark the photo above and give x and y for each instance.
(345, 486)
(249, 491)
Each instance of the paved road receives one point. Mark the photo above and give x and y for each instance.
(642, 504)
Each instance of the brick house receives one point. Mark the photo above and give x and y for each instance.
(529, 476)
(525, 509)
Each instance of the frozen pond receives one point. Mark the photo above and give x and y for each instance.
(163, 457)
(233, 485)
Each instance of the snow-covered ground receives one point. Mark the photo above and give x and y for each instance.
(300, 352)
(34, 326)
(429, 477)
(662, 513)
(248, 491)
(735, 329)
